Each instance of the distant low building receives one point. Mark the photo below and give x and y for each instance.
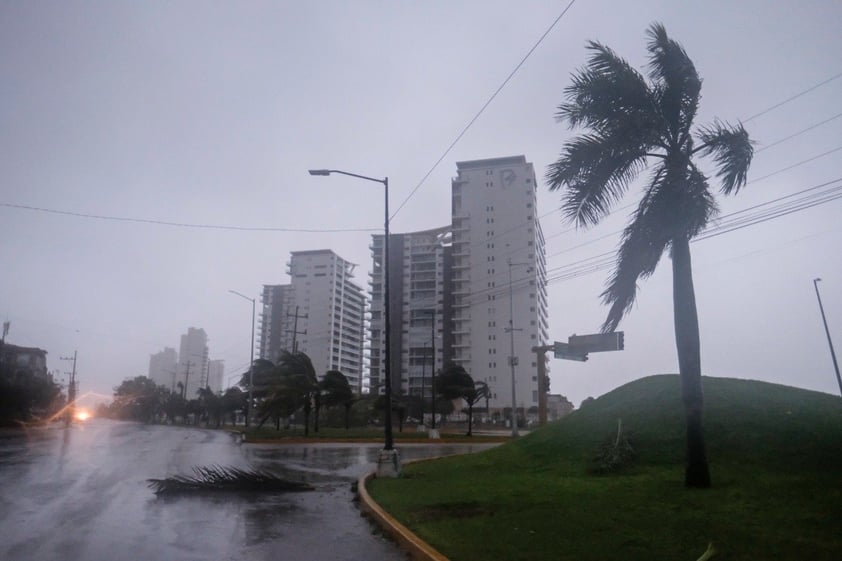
(14, 358)
(558, 406)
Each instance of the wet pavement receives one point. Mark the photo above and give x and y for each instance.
(81, 494)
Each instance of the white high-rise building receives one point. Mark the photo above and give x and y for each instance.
(216, 375)
(162, 367)
(193, 362)
(278, 303)
(321, 313)
(419, 296)
(498, 250)
(461, 272)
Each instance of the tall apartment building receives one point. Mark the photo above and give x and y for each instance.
(419, 264)
(278, 301)
(499, 277)
(495, 232)
(216, 376)
(162, 367)
(193, 362)
(321, 313)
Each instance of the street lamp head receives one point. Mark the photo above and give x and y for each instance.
(817, 279)
(319, 172)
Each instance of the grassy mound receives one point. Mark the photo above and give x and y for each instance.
(776, 463)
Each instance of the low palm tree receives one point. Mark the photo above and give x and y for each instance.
(454, 382)
(335, 390)
(632, 122)
(297, 385)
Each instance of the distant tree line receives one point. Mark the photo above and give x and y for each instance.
(141, 399)
(290, 393)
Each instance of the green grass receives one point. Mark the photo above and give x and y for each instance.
(776, 462)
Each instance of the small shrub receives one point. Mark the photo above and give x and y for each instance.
(615, 454)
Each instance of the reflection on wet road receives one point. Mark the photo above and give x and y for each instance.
(81, 494)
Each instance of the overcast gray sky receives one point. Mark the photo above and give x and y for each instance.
(212, 112)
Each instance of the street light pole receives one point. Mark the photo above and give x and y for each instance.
(390, 455)
(251, 364)
(827, 332)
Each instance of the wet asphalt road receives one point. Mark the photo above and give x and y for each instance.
(80, 494)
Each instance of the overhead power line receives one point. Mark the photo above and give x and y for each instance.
(756, 214)
(796, 96)
(799, 133)
(185, 224)
(483, 108)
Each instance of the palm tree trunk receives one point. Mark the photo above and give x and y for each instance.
(470, 417)
(687, 344)
(318, 401)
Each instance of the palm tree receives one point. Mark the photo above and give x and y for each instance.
(454, 382)
(297, 385)
(631, 122)
(335, 390)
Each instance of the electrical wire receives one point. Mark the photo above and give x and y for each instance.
(799, 133)
(482, 109)
(184, 224)
(794, 97)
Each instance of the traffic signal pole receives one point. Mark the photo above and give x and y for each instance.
(577, 348)
(541, 361)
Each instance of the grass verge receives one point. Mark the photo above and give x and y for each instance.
(776, 462)
(358, 435)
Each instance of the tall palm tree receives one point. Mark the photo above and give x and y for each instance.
(632, 122)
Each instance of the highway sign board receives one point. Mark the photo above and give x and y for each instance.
(569, 352)
(598, 342)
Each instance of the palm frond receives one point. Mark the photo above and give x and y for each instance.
(673, 207)
(643, 242)
(218, 478)
(732, 150)
(697, 205)
(678, 85)
(638, 257)
(597, 171)
(610, 96)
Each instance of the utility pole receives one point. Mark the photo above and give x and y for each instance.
(186, 378)
(540, 360)
(71, 391)
(423, 380)
(512, 358)
(827, 332)
(295, 331)
(433, 432)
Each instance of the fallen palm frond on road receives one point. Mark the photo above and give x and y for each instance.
(230, 479)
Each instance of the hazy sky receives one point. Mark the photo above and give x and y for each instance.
(212, 112)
